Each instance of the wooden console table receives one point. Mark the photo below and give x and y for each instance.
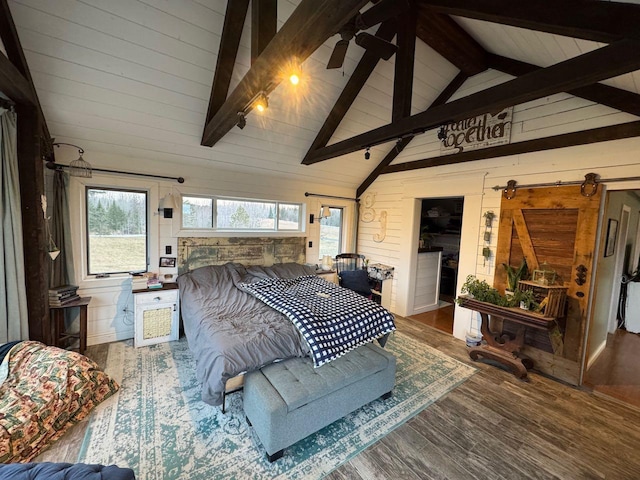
(502, 348)
(60, 336)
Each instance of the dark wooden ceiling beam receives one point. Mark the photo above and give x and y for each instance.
(585, 137)
(591, 20)
(13, 84)
(264, 24)
(444, 96)
(308, 27)
(613, 97)
(403, 75)
(606, 62)
(451, 41)
(15, 54)
(234, 19)
(361, 74)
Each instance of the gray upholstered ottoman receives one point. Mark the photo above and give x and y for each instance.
(287, 401)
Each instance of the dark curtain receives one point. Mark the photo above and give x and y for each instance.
(62, 267)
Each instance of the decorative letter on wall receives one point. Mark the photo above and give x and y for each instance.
(379, 237)
(367, 213)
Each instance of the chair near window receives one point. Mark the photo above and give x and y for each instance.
(352, 273)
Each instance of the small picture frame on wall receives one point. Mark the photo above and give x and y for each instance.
(612, 233)
(168, 262)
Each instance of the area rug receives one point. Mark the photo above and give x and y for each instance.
(158, 426)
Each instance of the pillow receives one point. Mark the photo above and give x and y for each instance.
(291, 270)
(356, 280)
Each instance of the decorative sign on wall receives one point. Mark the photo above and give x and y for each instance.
(473, 133)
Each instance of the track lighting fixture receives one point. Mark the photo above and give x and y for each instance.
(242, 121)
(261, 103)
(367, 155)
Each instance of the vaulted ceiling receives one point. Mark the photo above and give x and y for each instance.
(135, 78)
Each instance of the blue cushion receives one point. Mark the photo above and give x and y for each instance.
(356, 280)
(64, 471)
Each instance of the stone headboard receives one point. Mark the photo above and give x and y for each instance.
(194, 252)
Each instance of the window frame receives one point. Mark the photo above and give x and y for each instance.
(341, 237)
(260, 231)
(87, 252)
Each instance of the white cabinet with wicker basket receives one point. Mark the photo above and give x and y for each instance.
(156, 315)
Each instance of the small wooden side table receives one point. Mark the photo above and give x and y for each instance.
(59, 333)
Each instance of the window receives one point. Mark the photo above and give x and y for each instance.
(331, 233)
(116, 231)
(238, 214)
(197, 212)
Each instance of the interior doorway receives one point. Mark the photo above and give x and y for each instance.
(613, 366)
(440, 229)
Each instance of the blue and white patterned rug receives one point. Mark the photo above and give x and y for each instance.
(158, 426)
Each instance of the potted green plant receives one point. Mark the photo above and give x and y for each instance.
(482, 291)
(514, 276)
(488, 217)
(526, 300)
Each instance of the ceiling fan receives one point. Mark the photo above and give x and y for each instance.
(380, 12)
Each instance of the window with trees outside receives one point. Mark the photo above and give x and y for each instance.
(331, 233)
(116, 231)
(233, 214)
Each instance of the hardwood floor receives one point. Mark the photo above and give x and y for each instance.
(497, 427)
(616, 372)
(493, 426)
(442, 318)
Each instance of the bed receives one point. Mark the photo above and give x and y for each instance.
(45, 390)
(233, 326)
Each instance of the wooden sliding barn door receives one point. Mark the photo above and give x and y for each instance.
(556, 225)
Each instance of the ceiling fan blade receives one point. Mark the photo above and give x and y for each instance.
(338, 54)
(376, 45)
(380, 12)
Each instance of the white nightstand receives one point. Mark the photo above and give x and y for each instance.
(156, 315)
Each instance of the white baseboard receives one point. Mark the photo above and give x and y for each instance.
(100, 338)
(425, 308)
(596, 354)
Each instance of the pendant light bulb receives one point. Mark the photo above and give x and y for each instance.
(367, 155)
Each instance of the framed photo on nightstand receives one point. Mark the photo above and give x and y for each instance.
(168, 262)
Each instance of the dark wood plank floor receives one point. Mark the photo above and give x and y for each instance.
(616, 372)
(491, 427)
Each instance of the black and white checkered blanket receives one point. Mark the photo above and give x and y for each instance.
(332, 319)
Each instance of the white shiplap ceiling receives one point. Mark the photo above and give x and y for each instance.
(132, 78)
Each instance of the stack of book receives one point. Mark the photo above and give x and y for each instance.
(154, 282)
(63, 295)
(138, 282)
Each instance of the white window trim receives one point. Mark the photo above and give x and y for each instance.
(78, 215)
(180, 231)
(348, 226)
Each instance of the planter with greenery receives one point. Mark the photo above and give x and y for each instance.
(515, 275)
(483, 292)
(526, 300)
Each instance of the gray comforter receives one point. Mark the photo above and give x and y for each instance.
(231, 332)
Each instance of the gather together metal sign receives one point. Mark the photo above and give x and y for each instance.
(477, 132)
